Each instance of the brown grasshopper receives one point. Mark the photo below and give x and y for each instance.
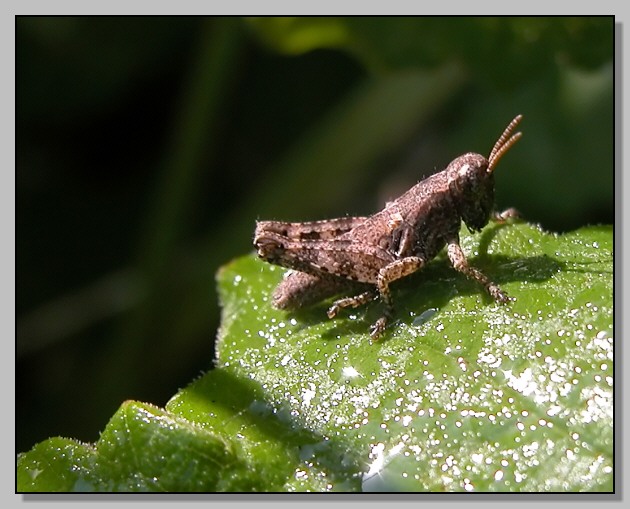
(364, 255)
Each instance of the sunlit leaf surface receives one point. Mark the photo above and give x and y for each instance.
(461, 394)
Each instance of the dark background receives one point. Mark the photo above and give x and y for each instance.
(148, 146)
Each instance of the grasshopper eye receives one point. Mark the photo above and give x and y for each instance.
(467, 172)
(463, 170)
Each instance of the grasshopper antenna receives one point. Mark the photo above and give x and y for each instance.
(504, 143)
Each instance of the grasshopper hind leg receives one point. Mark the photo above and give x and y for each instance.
(358, 300)
(298, 290)
(351, 302)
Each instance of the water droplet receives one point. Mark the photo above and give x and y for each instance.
(424, 317)
(349, 372)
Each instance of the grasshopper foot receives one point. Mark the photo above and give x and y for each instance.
(507, 215)
(333, 310)
(499, 295)
(377, 329)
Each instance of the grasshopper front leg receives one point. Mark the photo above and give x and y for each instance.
(460, 264)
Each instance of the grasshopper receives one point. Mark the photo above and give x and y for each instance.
(362, 256)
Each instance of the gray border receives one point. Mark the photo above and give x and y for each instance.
(620, 410)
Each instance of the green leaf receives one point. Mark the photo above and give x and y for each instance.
(54, 465)
(461, 395)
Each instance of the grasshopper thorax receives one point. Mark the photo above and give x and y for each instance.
(471, 186)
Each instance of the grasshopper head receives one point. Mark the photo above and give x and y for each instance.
(471, 179)
(472, 189)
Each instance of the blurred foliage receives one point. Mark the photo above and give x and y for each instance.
(461, 394)
(147, 148)
(522, 45)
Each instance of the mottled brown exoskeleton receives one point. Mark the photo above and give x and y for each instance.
(363, 255)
